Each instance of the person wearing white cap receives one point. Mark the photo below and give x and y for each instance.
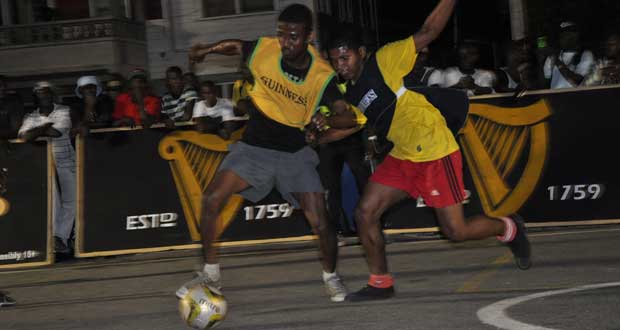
(94, 108)
(572, 63)
(54, 120)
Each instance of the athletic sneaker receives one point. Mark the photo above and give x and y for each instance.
(371, 293)
(520, 245)
(5, 300)
(335, 289)
(201, 278)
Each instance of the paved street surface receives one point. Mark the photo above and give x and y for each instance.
(574, 284)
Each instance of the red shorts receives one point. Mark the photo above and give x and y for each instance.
(439, 182)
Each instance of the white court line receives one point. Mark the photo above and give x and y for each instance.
(495, 314)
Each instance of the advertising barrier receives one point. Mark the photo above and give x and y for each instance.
(141, 191)
(546, 155)
(25, 205)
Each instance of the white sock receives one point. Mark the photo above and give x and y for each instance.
(213, 270)
(327, 276)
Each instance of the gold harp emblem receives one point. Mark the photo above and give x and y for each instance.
(194, 159)
(494, 141)
(5, 206)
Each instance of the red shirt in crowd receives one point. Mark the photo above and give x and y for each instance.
(125, 107)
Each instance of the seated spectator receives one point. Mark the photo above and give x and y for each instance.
(423, 75)
(568, 66)
(53, 120)
(466, 76)
(607, 71)
(178, 103)
(94, 108)
(11, 114)
(136, 107)
(519, 72)
(215, 115)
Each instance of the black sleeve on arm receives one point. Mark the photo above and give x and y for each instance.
(331, 93)
(247, 49)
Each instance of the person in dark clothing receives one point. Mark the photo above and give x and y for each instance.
(93, 108)
(333, 156)
(11, 115)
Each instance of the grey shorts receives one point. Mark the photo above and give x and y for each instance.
(265, 169)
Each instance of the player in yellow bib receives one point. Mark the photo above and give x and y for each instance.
(290, 81)
(425, 160)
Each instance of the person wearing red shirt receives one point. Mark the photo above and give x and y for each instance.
(136, 107)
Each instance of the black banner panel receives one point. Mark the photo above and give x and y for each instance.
(142, 189)
(25, 223)
(547, 156)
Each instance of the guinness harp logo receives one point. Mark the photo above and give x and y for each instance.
(194, 159)
(5, 206)
(506, 150)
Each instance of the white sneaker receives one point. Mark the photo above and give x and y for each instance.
(201, 278)
(335, 289)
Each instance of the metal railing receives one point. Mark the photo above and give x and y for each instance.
(73, 30)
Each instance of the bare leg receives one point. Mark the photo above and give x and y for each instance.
(377, 198)
(224, 184)
(313, 206)
(454, 225)
(457, 228)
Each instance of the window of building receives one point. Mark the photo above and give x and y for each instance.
(67, 9)
(214, 8)
(153, 9)
(251, 6)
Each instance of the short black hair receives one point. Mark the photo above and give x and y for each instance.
(347, 36)
(207, 83)
(175, 69)
(298, 14)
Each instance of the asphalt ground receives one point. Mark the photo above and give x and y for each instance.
(574, 284)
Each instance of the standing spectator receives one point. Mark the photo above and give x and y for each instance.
(423, 74)
(54, 120)
(332, 157)
(519, 72)
(466, 76)
(136, 107)
(11, 114)
(607, 70)
(94, 108)
(115, 86)
(571, 64)
(215, 115)
(178, 103)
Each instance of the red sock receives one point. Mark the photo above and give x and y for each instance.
(510, 230)
(381, 281)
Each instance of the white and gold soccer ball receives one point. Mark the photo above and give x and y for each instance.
(203, 307)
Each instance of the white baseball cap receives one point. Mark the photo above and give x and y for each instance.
(87, 80)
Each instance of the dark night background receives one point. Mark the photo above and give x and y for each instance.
(488, 23)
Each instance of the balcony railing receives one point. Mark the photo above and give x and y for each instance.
(74, 30)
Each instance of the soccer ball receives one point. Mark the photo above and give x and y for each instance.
(203, 307)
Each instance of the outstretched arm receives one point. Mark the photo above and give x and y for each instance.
(434, 24)
(225, 47)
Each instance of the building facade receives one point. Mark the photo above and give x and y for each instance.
(60, 40)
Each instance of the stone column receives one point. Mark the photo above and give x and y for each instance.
(518, 19)
(7, 18)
